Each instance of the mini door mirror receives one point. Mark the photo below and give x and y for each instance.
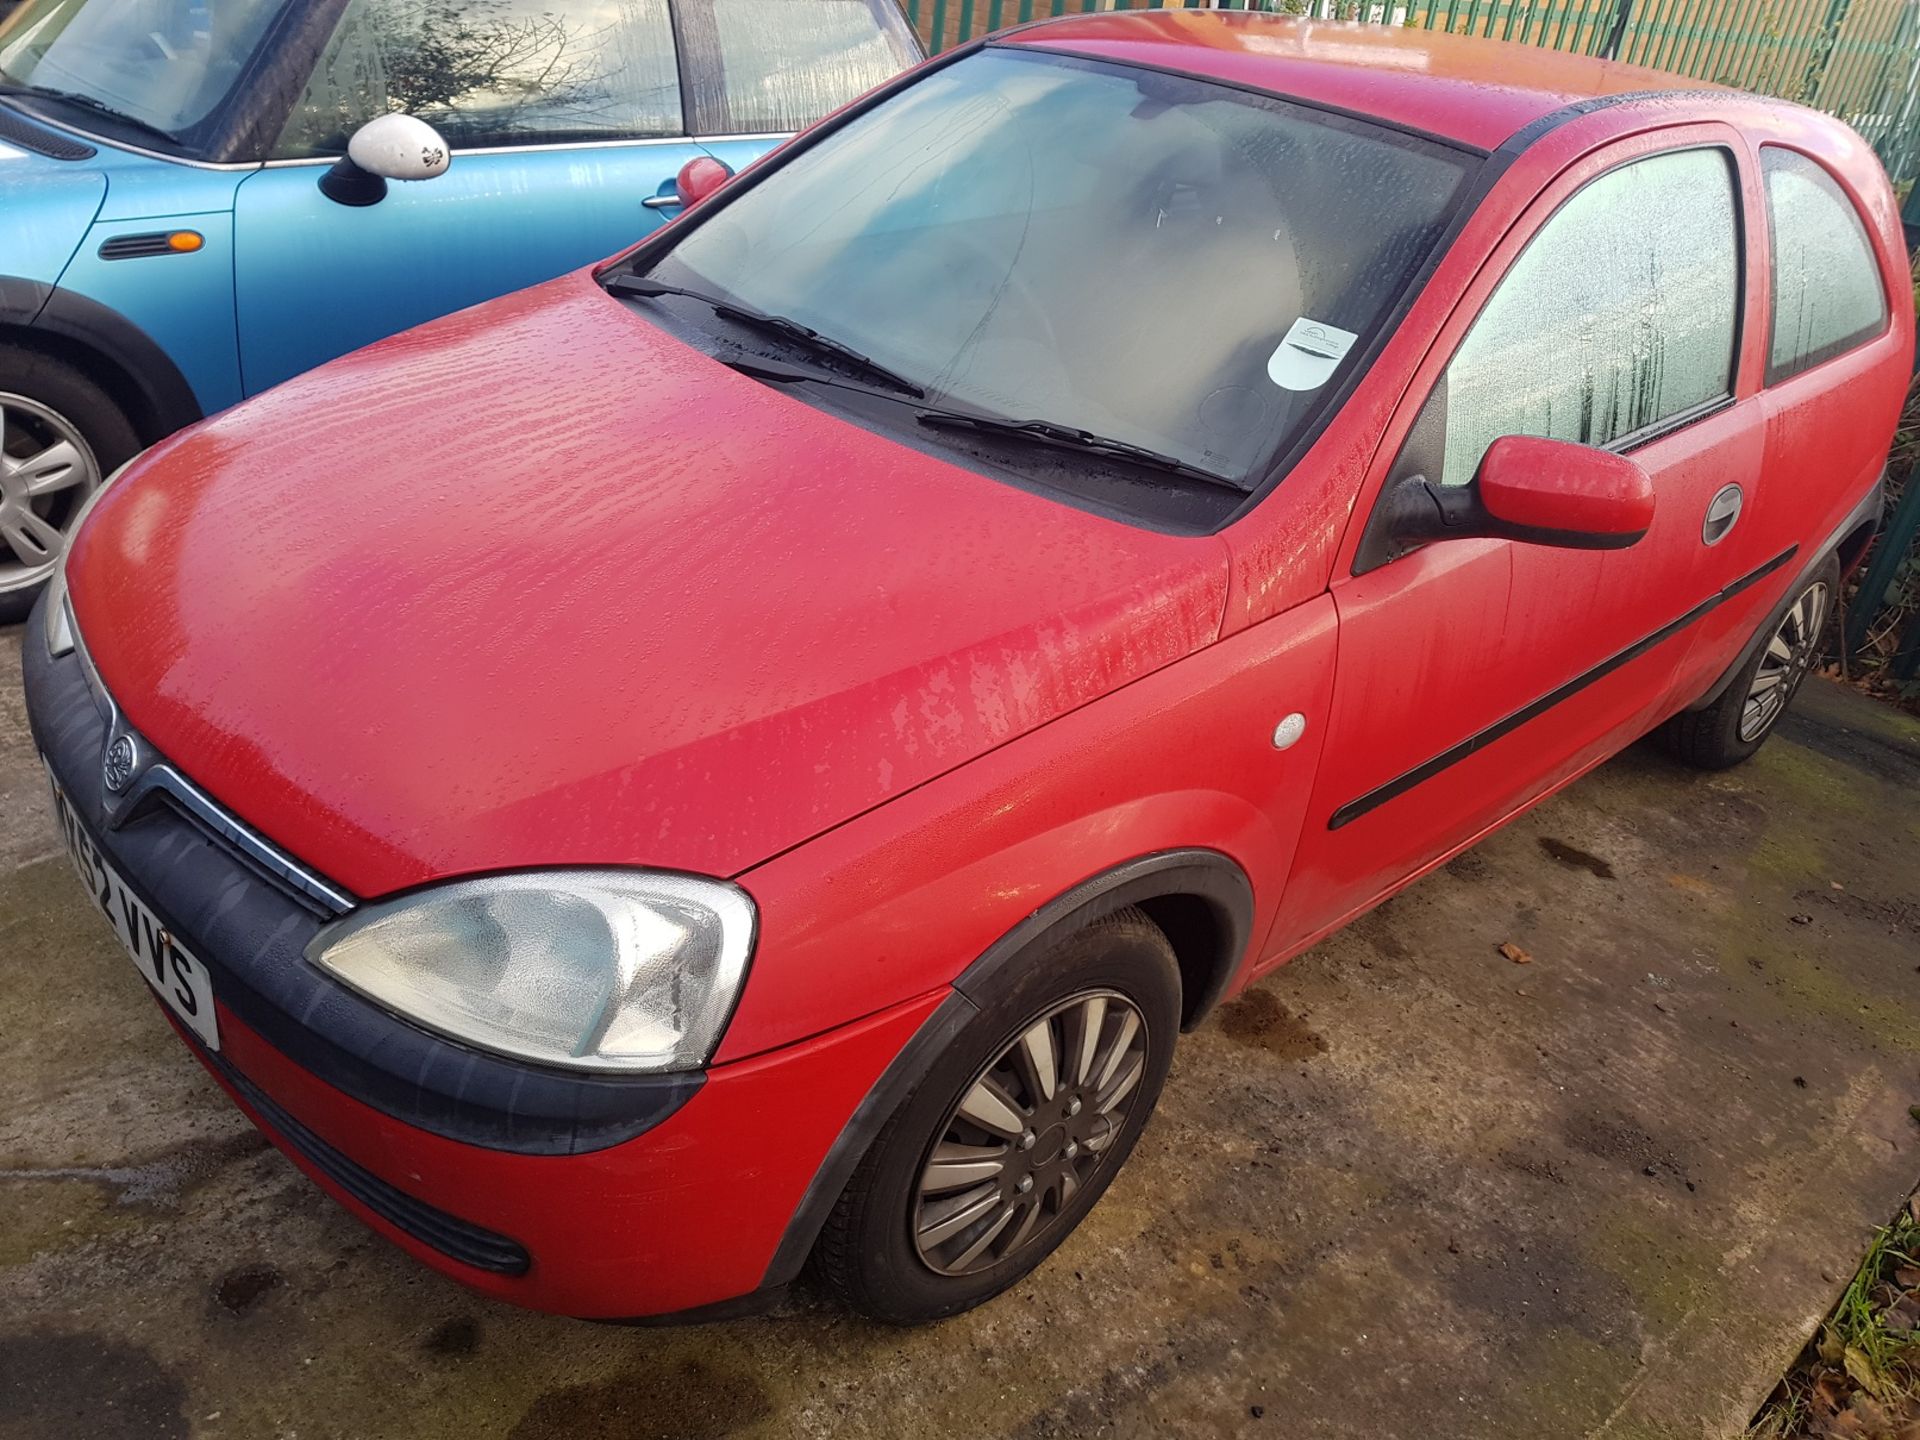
(389, 147)
(1542, 492)
(700, 177)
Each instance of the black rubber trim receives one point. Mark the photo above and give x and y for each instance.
(457, 1239)
(1400, 785)
(252, 935)
(1212, 876)
(17, 130)
(1869, 511)
(21, 301)
(1208, 874)
(873, 1112)
(741, 1307)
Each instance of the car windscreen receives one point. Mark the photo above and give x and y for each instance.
(163, 65)
(1146, 257)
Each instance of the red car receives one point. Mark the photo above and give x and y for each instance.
(754, 752)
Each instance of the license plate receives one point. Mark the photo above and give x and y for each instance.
(179, 979)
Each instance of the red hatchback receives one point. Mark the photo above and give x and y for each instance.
(754, 752)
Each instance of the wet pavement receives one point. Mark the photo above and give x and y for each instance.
(1407, 1187)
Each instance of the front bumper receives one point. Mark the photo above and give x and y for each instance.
(604, 1197)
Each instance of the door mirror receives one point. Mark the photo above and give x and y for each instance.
(700, 177)
(1553, 492)
(1542, 492)
(388, 147)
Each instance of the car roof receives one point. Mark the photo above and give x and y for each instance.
(1458, 87)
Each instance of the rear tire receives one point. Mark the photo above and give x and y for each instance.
(1738, 723)
(47, 404)
(899, 1245)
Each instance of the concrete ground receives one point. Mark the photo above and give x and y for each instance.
(1407, 1188)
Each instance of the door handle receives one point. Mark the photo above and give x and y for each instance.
(1722, 511)
(661, 202)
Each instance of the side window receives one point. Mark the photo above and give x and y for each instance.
(1619, 315)
(493, 72)
(770, 66)
(1827, 295)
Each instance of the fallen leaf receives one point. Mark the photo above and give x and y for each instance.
(1862, 1371)
(1520, 957)
(1830, 1388)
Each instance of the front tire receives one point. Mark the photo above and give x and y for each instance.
(60, 435)
(1738, 723)
(1017, 1129)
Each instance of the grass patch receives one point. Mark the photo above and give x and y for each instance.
(1859, 1378)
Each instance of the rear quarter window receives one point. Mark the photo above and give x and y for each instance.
(1827, 296)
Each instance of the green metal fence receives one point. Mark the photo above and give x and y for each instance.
(1859, 59)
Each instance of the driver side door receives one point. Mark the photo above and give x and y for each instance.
(1476, 675)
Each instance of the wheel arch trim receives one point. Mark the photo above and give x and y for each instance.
(1206, 877)
(84, 329)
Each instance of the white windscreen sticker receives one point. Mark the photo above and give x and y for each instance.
(1309, 354)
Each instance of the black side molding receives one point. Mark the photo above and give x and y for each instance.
(1401, 784)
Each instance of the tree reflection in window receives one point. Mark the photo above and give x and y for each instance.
(494, 72)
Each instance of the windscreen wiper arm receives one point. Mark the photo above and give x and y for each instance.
(1071, 437)
(804, 336)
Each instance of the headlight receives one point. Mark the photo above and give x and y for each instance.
(59, 624)
(591, 969)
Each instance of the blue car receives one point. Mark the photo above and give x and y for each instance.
(182, 224)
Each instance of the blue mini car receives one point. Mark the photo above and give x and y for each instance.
(181, 224)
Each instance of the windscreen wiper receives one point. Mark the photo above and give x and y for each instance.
(1071, 437)
(804, 336)
(98, 107)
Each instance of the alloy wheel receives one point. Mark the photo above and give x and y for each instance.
(1029, 1132)
(1790, 653)
(47, 471)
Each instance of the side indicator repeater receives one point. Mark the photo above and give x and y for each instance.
(160, 242)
